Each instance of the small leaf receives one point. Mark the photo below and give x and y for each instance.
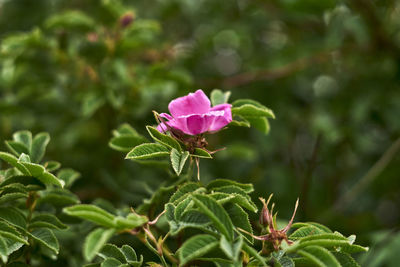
(201, 153)
(125, 143)
(196, 247)
(345, 259)
(148, 150)
(13, 216)
(219, 97)
(248, 188)
(178, 160)
(52, 166)
(68, 176)
(24, 137)
(323, 228)
(131, 221)
(163, 138)
(305, 231)
(230, 249)
(111, 262)
(46, 238)
(9, 231)
(13, 161)
(240, 219)
(34, 169)
(49, 179)
(39, 144)
(46, 220)
(17, 148)
(319, 256)
(182, 190)
(112, 251)
(95, 241)
(260, 123)
(91, 213)
(58, 197)
(129, 253)
(248, 111)
(216, 213)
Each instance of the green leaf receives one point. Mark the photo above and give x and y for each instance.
(130, 222)
(183, 190)
(230, 249)
(125, 129)
(249, 111)
(188, 219)
(323, 228)
(68, 176)
(178, 160)
(95, 241)
(219, 97)
(92, 213)
(111, 262)
(305, 231)
(39, 144)
(260, 123)
(49, 179)
(125, 143)
(319, 256)
(163, 138)
(58, 197)
(24, 137)
(345, 259)
(3, 248)
(112, 251)
(30, 183)
(9, 231)
(52, 166)
(216, 213)
(286, 262)
(70, 20)
(218, 183)
(252, 252)
(201, 153)
(13, 161)
(11, 197)
(223, 198)
(240, 219)
(129, 253)
(13, 216)
(196, 247)
(148, 150)
(34, 169)
(46, 220)
(46, 238)
(17, 147)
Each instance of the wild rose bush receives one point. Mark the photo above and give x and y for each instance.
(198, 223)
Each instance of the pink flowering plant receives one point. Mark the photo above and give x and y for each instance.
(186, 222)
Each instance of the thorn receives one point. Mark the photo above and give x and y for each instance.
(291, 220)
(198, 168)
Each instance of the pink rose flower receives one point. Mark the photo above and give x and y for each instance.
(193, 115)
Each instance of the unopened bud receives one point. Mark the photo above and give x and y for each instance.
(126, 19)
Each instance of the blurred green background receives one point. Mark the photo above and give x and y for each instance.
(329, 69)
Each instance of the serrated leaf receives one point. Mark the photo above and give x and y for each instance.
(345, 259)
(240, 219)
(248, 188)
(47, 238)
(182, 190)
(46, 220)
(218, 97)
(95, 241)
(163, 138)
(30, 183)
(10, 197)
(201, 153)
(24, 137)
(178, 160)
(319, 256)
(305, 231)
(9, 231)
(3, 249)
(17, 148)
(39, 144)
(112, 262)
(147, 151)
(224, 198)
(252, 252)
(195, 247)
(129, 253)
(231, 249)
(49, 179)
(112, 251)
(286, 262)
(13, 161)
(130, 222)
(92, 213)
(13, 216)
(323, 228)
(58, 197)
(216, 213)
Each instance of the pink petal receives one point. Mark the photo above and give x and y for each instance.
(197, 124)
(226, 108)
(162, 128)
(219, 120)
(166, 116)
(193, 103)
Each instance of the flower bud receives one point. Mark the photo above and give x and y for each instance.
(126, 19)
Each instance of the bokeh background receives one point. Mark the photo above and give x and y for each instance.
(329, 69)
